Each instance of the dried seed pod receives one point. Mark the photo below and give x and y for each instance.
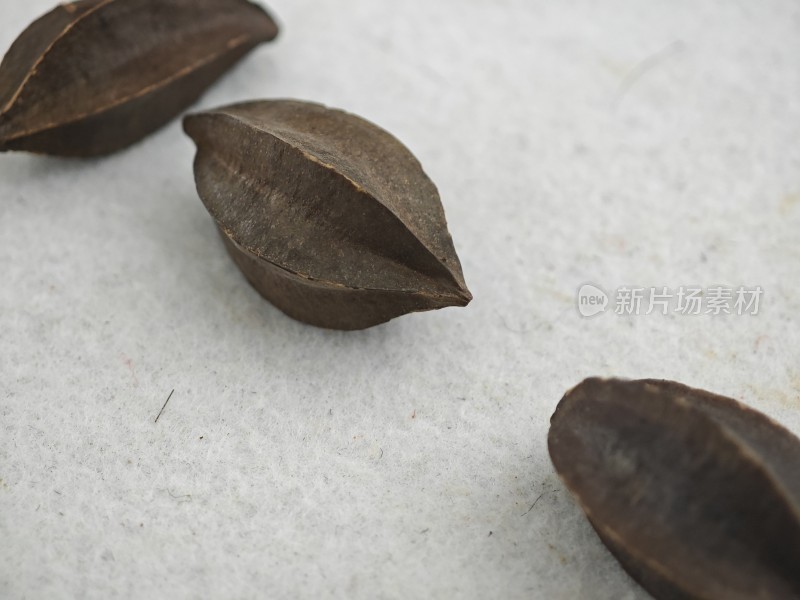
(95, 76)
(328, 216)
(695, 494)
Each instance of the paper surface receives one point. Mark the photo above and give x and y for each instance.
(619, 144)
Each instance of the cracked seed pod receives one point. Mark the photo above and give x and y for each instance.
(328, 216)
(95, 76)
(696, 495)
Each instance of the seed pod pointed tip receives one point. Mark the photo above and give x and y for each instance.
(455, 298)
(462, 297)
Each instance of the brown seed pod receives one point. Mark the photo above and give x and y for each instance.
(697, 495)
(95, 76)
(328, 216)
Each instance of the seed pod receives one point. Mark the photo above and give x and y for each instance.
(695, 494)
(328, 216)
(95, 76)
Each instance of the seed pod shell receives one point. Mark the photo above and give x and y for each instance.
(328, 216)
(95, 76)
(697, 495)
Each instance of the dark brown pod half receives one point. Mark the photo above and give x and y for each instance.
(697, 495)
(95, 76)
(328, 216)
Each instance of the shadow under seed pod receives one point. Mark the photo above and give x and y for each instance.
(328, 216)
(94, 76)
(696, 495)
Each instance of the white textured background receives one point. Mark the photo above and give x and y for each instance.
(623, 143)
